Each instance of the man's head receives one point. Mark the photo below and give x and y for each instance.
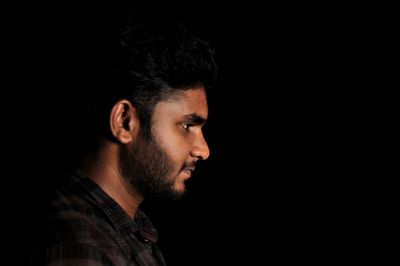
(159, 162)
(146, 91)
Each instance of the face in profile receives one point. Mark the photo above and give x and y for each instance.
(160, 164)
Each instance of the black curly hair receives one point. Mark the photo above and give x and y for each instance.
(142, 57)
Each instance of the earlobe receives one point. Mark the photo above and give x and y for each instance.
(123, 121)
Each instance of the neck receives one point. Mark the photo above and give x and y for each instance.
(102, 168)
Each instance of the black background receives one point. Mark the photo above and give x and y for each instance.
(287, 132)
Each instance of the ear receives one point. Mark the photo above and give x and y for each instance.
(124, 123)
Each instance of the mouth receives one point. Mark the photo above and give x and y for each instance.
(188, 170)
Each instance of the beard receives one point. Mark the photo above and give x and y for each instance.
(148, 169)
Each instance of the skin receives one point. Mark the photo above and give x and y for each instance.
(160, 164)
(178, 130)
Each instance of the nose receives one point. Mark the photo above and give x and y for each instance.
(200, 148)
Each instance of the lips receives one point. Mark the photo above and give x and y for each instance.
(189, 170)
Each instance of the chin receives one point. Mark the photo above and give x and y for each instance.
(180, 188)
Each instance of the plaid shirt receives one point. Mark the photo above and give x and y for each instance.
(84, 226)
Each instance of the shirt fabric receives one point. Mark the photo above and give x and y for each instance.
(85, 226)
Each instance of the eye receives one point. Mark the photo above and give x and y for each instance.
(186, 126)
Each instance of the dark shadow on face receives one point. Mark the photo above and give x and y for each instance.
(147, 168)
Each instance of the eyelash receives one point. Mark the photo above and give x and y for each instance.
(186, 126)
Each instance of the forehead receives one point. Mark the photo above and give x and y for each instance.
(192, 101)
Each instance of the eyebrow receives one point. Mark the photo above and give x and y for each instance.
(195, 119)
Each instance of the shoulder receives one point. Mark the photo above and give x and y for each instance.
(72, 228)
(74, 236)
(70, 218)
(70, 253)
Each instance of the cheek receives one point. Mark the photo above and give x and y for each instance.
(178, 151)
(177, 148)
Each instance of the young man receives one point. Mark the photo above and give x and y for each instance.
(138, 116)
